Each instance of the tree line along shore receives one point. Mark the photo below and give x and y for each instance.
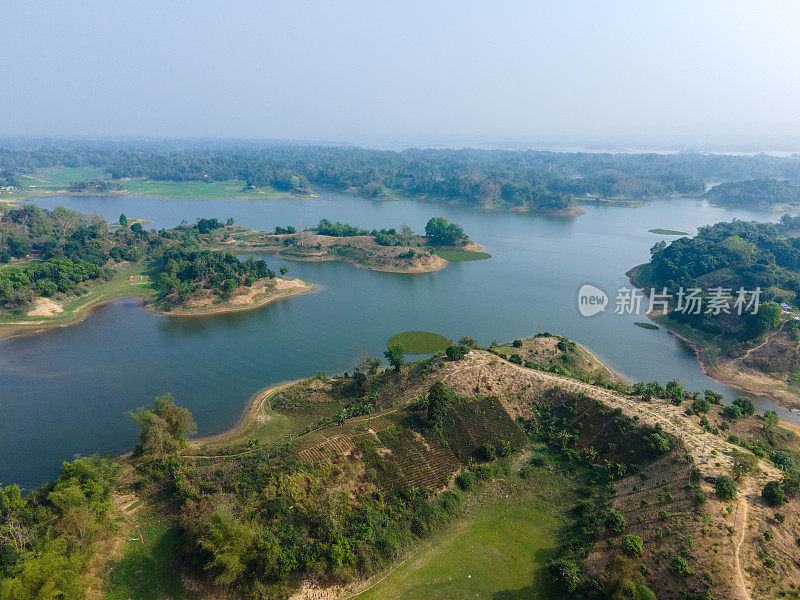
(540, 181)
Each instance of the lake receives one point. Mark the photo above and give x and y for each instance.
(65, 392)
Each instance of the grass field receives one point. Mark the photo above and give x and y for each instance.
(146, 570)
(55, 180)
(462, 255)
(420, 342)
(498, 551)
(660, 231)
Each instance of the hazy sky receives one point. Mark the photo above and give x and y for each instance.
(404, 70)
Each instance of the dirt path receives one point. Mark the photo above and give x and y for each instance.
(741, 525)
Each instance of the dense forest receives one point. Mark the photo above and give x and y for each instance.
(721, 260)
(537, 180)
(755, 193)
(743, 253)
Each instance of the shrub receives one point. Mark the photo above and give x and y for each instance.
(616, 522)
(680, 566)
(516, 359)
(487, 451)
(658, 443)
(517, 344)
(566, 574)
(768, 535)
(456, 352)
(466, 480)
(726, 487)
(632, 545)
(746, 405)
(773, 493)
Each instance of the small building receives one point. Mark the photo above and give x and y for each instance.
(785, 306)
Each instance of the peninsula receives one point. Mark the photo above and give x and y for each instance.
(752, 344)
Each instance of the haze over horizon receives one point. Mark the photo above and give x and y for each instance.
(615, 75)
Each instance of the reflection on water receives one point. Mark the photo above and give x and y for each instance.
(66, 391)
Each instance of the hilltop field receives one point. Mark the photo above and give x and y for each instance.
(449, 477)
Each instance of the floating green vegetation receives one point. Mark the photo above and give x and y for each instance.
(420, 342)
(457, 255)
(646, 325)
(660, 231)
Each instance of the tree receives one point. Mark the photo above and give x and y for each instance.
(566, 574)
(632, 545)
(395, 356)
(164, 427)
(284, 270)
(443, 233)
(766, 319)
(774, 493)
(468, 342)
(616, 522)
(439, 400)
(123, 221)
(456, 352)
(726, 487)
(744, 464)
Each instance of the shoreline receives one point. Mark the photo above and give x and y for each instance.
(293, 291)
(250, 416)
(21, 329)
(784, 399)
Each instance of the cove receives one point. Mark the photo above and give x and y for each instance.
(65, 392)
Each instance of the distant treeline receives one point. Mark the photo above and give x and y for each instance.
(512, 179)
(763, 192)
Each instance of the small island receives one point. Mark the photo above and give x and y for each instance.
(390, 250)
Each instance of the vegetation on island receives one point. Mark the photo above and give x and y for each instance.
(458, 453)
(660, 231)
(387, 249)
(62, 256)
(756, 193)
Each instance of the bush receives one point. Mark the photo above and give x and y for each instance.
(632, 545)
(680, 566)
(516, 359)
(773, 493)
(466, 480)
(456, 352)
(616, 522)
(487, 452)
(517, 344)
(566, 574)
(726, 487)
